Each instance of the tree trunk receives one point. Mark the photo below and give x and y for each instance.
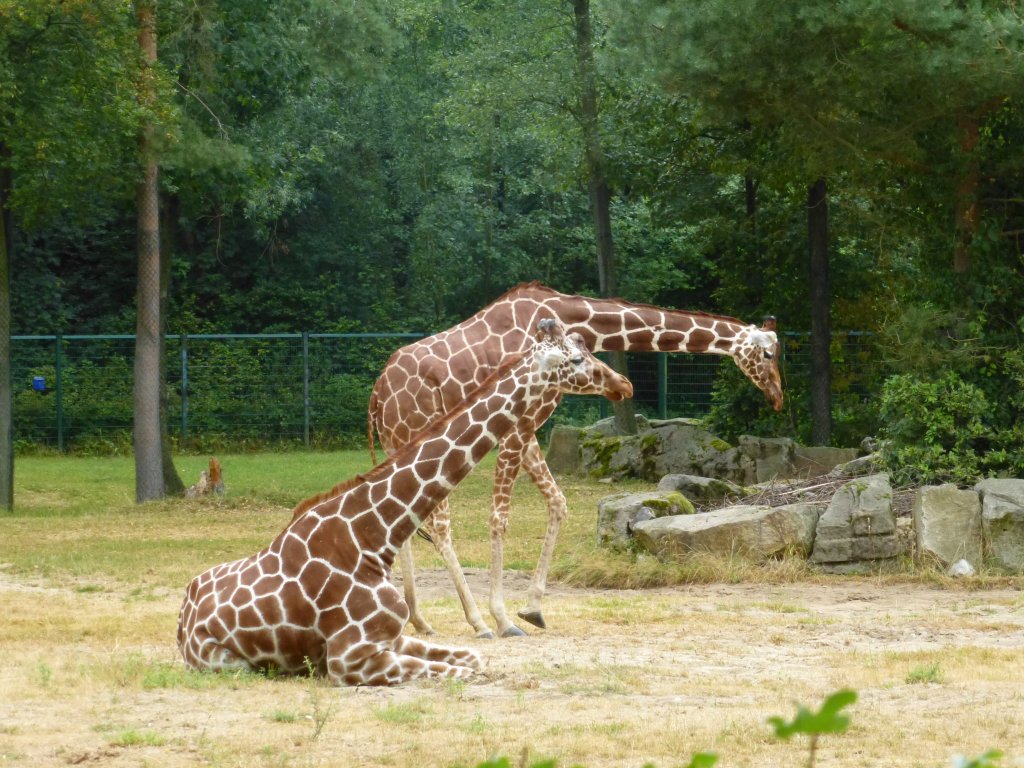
(6, 395)
(172, 480)
(600, 194)
(821, 335)
(149, 483)
(966, 211)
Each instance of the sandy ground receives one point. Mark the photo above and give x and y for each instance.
(620, 678)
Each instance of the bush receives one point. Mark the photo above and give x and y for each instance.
(946, 430)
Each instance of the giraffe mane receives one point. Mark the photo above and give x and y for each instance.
(435, 425)
(536, 285)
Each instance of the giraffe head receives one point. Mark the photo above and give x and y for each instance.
(566, 361)
(756, 352)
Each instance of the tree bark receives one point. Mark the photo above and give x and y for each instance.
(173, 484)
(600, 193)
(6, 394)
(821, 335)
(966, 206)
(149, 482)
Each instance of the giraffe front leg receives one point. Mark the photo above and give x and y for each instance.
(453, 655)
(370, 663)
(441, 532)
(538, 471)
(409, 589)
(370, 648)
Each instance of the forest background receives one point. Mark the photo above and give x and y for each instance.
(395, 165)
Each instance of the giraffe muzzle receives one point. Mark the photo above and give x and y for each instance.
(619, 388)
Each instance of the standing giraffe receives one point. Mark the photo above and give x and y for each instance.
(433, 374)
(319, 596)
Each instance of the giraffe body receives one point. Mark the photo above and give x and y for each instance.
(319, 596)
(431, 375)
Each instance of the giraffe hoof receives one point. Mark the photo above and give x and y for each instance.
(485, 635)
(534, 617)
(513, 631)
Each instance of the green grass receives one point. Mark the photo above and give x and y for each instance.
(133, 738)
(76, 522)
(925, 673)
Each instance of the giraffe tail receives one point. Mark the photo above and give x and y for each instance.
(370, 411)
(424, 535)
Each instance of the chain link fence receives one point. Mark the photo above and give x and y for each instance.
(248, 391)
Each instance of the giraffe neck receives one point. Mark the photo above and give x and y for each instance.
(615, 324)
(386, 506)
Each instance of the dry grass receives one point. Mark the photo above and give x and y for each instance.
(90, 675)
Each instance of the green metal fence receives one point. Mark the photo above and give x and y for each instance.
(254, 390)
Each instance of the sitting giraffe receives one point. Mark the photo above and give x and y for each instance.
(432, 375)
(319, 597)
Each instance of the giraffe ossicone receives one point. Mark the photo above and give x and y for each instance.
(432, 375)
(320, 595)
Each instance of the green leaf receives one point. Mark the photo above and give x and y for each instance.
(703, 760)
(826, 720)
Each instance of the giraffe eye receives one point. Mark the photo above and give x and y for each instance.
(768, 355)
(578, 360)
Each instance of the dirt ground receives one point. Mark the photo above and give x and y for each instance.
(620, 678)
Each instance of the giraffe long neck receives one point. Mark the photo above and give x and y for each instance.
(392, 499)
(615, 324)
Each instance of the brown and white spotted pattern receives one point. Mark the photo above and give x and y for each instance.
(319, 596)
(430, 376)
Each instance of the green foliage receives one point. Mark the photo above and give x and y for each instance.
(931, 428)
(826, 720)
(946, 429)
(990, 759)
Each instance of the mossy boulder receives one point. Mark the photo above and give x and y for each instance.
(1002, 519)
(617, 514)
(701, 489)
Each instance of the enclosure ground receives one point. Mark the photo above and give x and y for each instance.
(90, 676)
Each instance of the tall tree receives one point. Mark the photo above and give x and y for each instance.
(65, 75)
(6, 399)
(149, 462)
(863, 95)
(821, 303)
(600, 192)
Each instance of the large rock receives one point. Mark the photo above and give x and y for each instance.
(862, 465)
(758, 532)
(607, 428)
(686, 448)
(702, 489)
(859, 525)
(675, 446)
(947, 524)
(771, 457)
(618, 514)
(563, 456)
(1002, 520)
(812, 460)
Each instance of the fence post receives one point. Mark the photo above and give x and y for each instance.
(305, 388)
(58, 364)
(663, 385)
(184, 389)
